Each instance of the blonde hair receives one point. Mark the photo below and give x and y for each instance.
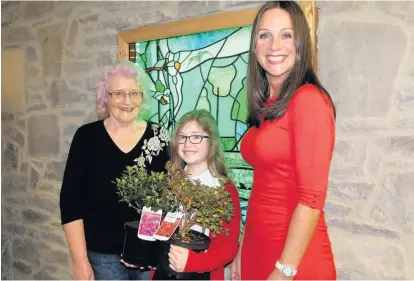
(215, 160)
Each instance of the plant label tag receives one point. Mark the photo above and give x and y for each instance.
(168, 226)
(149, 223)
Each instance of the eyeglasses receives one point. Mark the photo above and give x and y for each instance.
(194, 139)
(121, 95)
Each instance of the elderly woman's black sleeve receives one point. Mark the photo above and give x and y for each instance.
(72, 192)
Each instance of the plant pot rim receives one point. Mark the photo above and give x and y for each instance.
(195, 245)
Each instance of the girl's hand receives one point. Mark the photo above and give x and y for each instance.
(82, 269)
(235, 269)
(178, 257)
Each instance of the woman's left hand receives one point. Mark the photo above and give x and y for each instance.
(277, 275)
(178, 257)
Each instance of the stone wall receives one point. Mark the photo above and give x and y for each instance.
(366, 61)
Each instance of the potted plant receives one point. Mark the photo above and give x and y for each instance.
(200, 205)
(138, 188)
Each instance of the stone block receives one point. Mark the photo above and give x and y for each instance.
(402, 10)
(22, 267)
(362, 125)
(374, 160)
(18, 35)
(26, 250)
(53, 188)
(56, 257)
(357, 91)
(72, 34)
(14, 229)
(333, 7)
(337, 210)
(23, 167)
(77, 67)
(43, 137)
(55, 170)
(60, 94)
(116, 23)
(10, 157)
(37, 107)
(37, 9)
(348, 154)
(6, 242)
(102, 40)
(11, 212)
(405, 98)
(73, 113)
(44, 275)
(354, 257)
(21, 124)
(33, 77)
(5, 116)
(46, 203)
(9, 16)
(406, 123)
(52, 236)
(13, 183)
(362, 228)
(34, 94)
(393, 207)
(350, 191)
(105, 58)
(89, 19)
(198, 7)
(51, 40)
(16, 135)
(31, 54)
(34, 177)
(43, 22)
(34, 216)
(70, 130)
(401, 145)
(397, 164)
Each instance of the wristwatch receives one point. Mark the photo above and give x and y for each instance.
(286, 270)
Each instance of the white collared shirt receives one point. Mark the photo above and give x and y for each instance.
(207, 178)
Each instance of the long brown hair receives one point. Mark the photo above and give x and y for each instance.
(215, 161)
(302, 72)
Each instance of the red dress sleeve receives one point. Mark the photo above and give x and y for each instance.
(223, 248)
(313, 136)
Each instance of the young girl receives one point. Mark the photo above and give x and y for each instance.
(195, 147)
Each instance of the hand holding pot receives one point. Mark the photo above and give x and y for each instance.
(178, 257)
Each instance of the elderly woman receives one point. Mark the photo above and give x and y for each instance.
(92, 216)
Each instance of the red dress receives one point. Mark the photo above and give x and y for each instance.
(291, 158)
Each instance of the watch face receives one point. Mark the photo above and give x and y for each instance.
(287, 270)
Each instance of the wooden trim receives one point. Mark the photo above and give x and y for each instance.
(311, 14)
(206, 23)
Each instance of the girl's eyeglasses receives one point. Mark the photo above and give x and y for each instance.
(194, 139)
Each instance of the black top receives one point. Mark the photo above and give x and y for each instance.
(88, 191)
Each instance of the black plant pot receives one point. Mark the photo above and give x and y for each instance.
(200, 242)
(137, 251)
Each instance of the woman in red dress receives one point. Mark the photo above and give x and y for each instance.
(289, 145)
